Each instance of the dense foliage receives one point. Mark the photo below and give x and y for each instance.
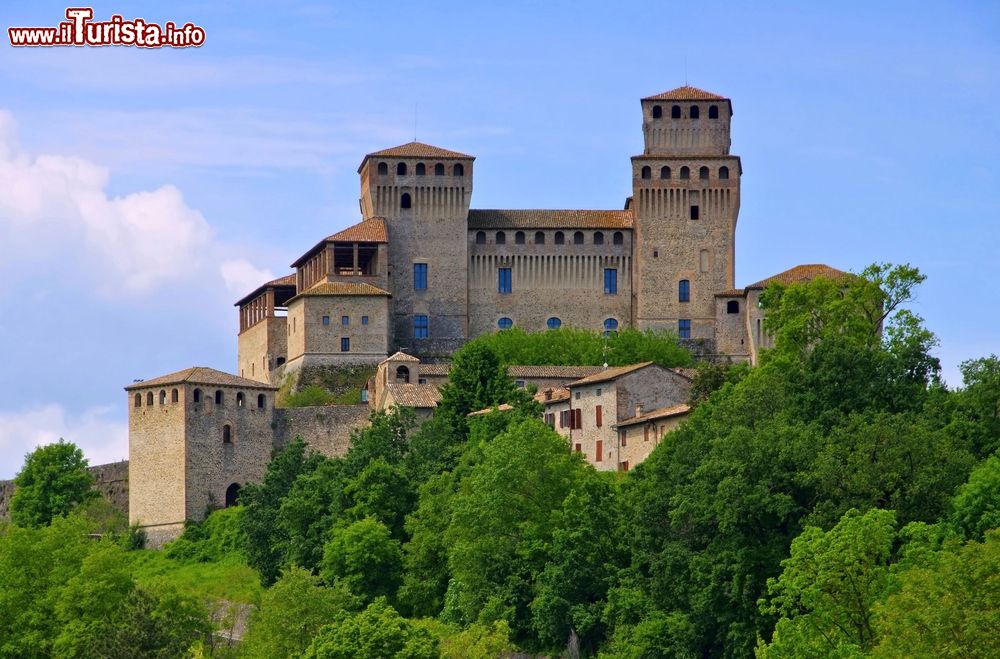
(53, 480)
(835, 501)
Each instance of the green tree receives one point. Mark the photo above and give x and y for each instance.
(364, 558)
(54, 478)
(828, 586)
(950, 608)
(308, 512)
(979, 402)
(290, 614)
(382, 492)
(425, 557)
(976, 506)
(378, 632)
(477, 380)
(149, 626)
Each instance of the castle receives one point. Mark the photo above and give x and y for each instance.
(422, 272)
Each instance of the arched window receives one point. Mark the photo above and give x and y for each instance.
(421, 169)
(685, 173)
(232, 495)
(197, 395)
(675, 112)
(404, 201)
(694, 112)
(501, 238)
(619, 238)
(684, 291)
(657, 112)
(439, 170)
(261, 401)
(227, 434)
(664, 172)
(505, 323)
(240, 399)
(723, 173)
(553, 323)
(519, 238)
(578, 238)
(458, 170)
(149, 399)
(598, 238)
(559, 238)
(539, 238)
(383, 168)
(218, 397)
(733, 306)
(138, 400)
(703, 173)
(647, 172)
(480, 237)
(713, 112)
(163, 397)
(402, 375)
(401, 169)
(174, 396)
(610, 325)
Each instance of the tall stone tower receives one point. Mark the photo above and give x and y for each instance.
(686, 198)
(423, 192)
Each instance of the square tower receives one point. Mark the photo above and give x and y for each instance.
(686, 199)
(423, 192)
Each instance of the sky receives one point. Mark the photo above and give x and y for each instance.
(144, 191)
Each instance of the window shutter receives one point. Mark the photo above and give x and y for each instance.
(600, 451)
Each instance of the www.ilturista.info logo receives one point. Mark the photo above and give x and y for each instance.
(81, 30)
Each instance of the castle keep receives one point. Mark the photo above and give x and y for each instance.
(422, 272)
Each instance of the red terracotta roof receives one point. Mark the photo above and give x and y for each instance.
(417, 150)
(686, 93)
(200, 375)
(414, 395)
(799, 274)
(609, 374)
(371, 230)
(503, 407)
(334, 289)
(661, 413)
(554, 372)
(287, 280)
(549, 219)
(400, 356)
(555, 395)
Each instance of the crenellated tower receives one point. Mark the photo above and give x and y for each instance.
(423, 192)
(686, 199)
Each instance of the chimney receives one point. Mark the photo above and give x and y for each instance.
(638, 410)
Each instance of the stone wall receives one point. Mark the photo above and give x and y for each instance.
(259, 347)
(327, 429)
(111, 480)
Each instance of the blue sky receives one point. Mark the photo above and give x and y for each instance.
(143, 191)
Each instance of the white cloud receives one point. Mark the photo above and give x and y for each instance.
(102, 437)
(241, 276)
(56, 214)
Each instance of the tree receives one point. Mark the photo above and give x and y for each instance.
(425, 557)
(976, 507)
(950, 608)
(380, 491)
(54, 478)
(828, 586)
(378, 632)
(979, 402)
(290, 614)
(477, 380)
(364, 558)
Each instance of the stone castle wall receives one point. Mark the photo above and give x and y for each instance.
(327, 429)
(111, 480)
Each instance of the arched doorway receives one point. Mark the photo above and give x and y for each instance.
(232, 495)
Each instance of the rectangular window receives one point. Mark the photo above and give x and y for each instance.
(611, 281)
(684, 328)
(623, 437)
(579, 448)
(420, 327)
(694, 213)
(578, 419)
(564, 419)
(625, 466)
(326, 320)
(345, 320)
(503, 280)
(420, 276)
(364, 320)
(599, 451)
(684, 291)
(421, 380)
(645, 433)
(599, 416)
(345, 344)
(519, 384)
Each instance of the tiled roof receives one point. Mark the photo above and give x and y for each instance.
(371, 230)
(686, 93)
(688, 373)
(661, 413)
(549, 219)
(799, 274)
(341, 288)
(568, 372)
(733, 292)
(200, 375)
(557, 395)
(287, 280)
(417, 150)
(609, 374)
(503, 407)
(414, 395)
(400, 356)
(434, 369)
